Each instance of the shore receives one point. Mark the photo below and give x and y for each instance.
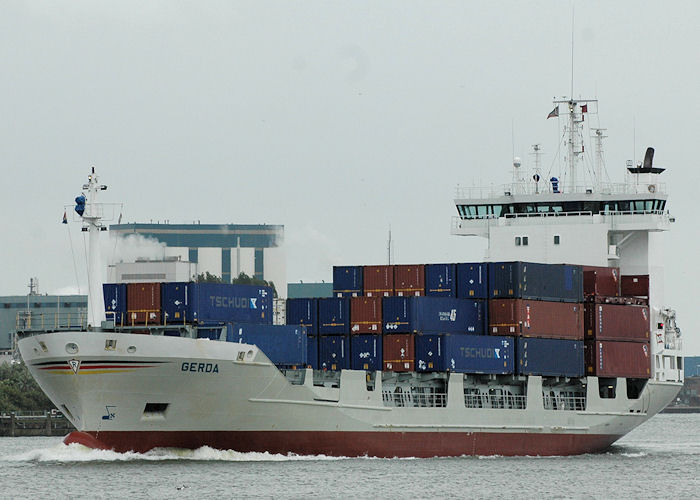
(23, 424)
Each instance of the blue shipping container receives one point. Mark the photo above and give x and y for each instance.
(303, 312)
(464, 353)
(366, 352)
(312, 351)
(334, 352)
(283, 344)
(550, 357)
(175, 302)
(440, 280)
(347, 281)
(115, 301)
(472, 280)
(527, 280)
(434, 315)
(208, 302)
(334, 316)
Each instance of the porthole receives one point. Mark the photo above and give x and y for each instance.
(71, 348)
(131, 349)
(249, 354)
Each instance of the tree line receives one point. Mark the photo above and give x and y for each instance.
(19, 391)
(242, 279)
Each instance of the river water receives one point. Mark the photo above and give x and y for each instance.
(660, 459)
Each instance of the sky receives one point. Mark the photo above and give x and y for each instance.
(338, 119)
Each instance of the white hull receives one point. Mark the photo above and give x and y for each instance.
(229, 395)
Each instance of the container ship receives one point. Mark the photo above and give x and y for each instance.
(558, 343)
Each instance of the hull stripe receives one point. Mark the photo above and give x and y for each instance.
(337, 443)
(101, 361)
(93, 367)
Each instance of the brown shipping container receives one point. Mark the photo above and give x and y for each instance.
(616, 322)
(409, 281)
(536, 318)
(601, 281)
(379, 281)
(143, 303)
(366, 315)
(399, 353)
(618, 359)
(635, 285)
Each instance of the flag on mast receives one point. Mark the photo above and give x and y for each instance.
(554, 113)
(584, 108)
(65, 219)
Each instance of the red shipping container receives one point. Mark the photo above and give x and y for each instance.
(616, 322)
(618, 359)
(536, 318)
(399, 353)
(409, 281)
(379, 281)
(635, 285)
(601, 281)
(143, 303)
(366, 315)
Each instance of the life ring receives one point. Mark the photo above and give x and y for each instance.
(652, 188)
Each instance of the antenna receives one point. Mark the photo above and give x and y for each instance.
(572, 51)
(537, 153)
(33, 286)
(388, 248)
(599, 160)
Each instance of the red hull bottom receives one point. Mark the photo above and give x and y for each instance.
(351, 444)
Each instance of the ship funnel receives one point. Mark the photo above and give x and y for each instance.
(649, 158)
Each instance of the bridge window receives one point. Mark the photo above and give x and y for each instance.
(556, 239)
(525, 239)
(518, 241)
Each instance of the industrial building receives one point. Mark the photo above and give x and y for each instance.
(223, 250)
(49, 311)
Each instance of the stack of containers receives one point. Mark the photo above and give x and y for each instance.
(617, 332)
(215, 303)
(334, 333)
(366, 332)
(174, 303)
(542, 305)
(438, 327)
(304, 312)
(464, 317)
(447, 325)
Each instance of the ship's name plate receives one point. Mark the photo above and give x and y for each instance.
(195, 367)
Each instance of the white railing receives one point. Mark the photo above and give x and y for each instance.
(414, 397)
(500, 401)
(548, 214)
(564, 402)
(30, 320)
(518, 188)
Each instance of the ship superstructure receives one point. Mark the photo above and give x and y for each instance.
(136, 387)
(595, 224)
